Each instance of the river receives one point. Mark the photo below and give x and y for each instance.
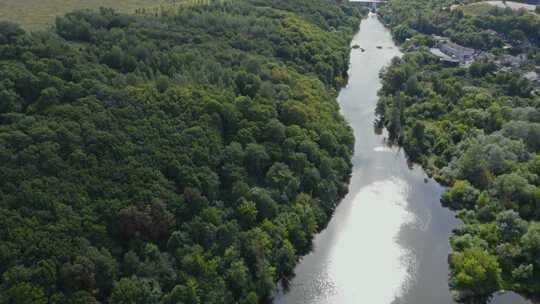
(388, 239)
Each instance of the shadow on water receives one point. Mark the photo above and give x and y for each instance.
(387, 241)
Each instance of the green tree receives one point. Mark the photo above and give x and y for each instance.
(516, 35)
(134, 290)
(247, 212)
(402, 32)
(460, 196)
(473, 167)
(286, 259)
(510, 226)
(530, 243)
(8, 31)
(475, 271)
(256, 158)
(24, 293)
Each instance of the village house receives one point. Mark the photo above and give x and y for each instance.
(514, 61)
(485, 56)
(451, 53)
(491, 32)
(440, 39)
(457, 51)
(532, 77)
(454, 54)
(444, 58)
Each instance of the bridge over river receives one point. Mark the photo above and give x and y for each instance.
(374, 4)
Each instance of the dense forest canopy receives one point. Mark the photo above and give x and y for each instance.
(187, 157)
(476, 128)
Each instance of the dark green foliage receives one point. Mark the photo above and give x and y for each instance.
(8, 31)
(162, 159)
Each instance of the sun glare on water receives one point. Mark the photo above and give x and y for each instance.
(355, 269)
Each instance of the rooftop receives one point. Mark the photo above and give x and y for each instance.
(456, 50)
(531, 76)
(443, 56)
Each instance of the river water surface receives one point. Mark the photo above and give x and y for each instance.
(387, 242)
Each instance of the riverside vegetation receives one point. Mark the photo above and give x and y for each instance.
(477, 130)
(182, 158)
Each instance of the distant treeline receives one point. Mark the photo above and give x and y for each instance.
(430, 18)
(185, 158)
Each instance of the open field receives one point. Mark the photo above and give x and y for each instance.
(513, 5)
(482, 8)
(477, 9)
(34, 14)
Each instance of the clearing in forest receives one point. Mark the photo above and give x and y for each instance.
(35, 14)
(482, 8)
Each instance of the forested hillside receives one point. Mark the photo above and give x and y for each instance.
(476, 128)
(182, 158)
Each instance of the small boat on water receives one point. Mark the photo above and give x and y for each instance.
(379, 47)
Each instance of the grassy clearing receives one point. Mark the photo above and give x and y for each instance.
(483, 8)
(477, 9)
(35, 14)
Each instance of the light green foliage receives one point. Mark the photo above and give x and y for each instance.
(461, 195)
(188, 293)
(530, 242)
(247, 211)
(475, 271)
(523, 272)
(402, 32)
(133, 290)
(461, 242)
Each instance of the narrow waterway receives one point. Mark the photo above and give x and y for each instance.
(388, 239)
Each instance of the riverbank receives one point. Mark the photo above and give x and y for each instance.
(454, 121)
(387, 240)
